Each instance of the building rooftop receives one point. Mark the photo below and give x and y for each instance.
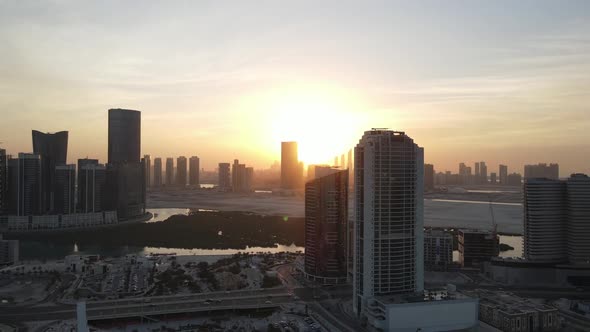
(430, 295)
(510, 303)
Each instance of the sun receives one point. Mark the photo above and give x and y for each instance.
(323, 122)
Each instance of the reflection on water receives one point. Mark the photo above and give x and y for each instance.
(513, 241)
(207, 185)
(37, 250)
(214, 252)
(163, 214)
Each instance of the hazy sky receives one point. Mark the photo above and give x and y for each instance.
(500, 81)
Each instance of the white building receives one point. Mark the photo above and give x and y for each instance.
(440, 310)
(389, 217)
(545, 220)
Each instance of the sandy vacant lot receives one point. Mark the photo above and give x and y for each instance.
(437, 213)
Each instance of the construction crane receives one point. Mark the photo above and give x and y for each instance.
(494, 225)
(494, 228)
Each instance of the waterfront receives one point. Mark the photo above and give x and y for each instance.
(46, 250)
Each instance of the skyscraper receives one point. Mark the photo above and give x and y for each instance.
(389, 238)
(428, 177)
(194, 168)
(148, 170)
(169, 171)
(126, 184)
(52, 150)
(545, 220)
(65, 189)
(24, 183)
(493, 178)
(326, 220)
(249, 181)
(578, 211)
(157, 172)
(224, 183)
(181, 171)
(483, 173)
(291, 174)
(125, 189)
(124, 136)
(464, 174)
(239, 178)
(3, 181)
(503, 172)
(550, 171)
(91, 185)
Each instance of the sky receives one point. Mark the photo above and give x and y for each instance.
(499, 81)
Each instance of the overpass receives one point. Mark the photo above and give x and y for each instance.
(154, 306)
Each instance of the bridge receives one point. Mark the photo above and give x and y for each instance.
(154, 306)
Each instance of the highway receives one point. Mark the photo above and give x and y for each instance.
(258, 299)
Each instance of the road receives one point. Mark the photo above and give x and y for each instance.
(160, 305)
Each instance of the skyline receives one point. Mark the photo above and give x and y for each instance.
(225, 80)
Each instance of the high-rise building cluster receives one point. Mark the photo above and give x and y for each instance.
(388, 247)
(241, 177)
(185, 173)
(42, 183)
(478, 175)
(235, 177)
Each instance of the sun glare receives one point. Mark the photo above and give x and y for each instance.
(324, 123)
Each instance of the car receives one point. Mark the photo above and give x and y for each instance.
(267, 302)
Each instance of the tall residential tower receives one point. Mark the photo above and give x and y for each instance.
(326, 227)
(52, 150)
(193, 173)
(389, 236)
